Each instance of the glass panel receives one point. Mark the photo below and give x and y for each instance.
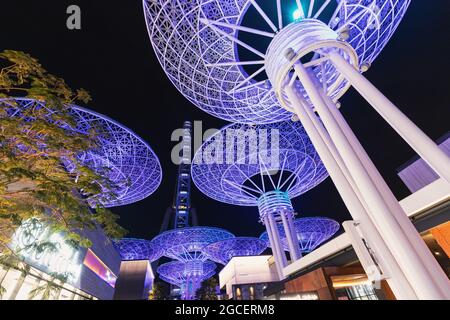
(28, 285)
(94, 263)
(10, 282)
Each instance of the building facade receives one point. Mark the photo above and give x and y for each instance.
(63, 273)
(246, 277)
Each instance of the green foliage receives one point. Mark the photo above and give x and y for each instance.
(33, 180)
(23, 75)
(50, 288)
(207, 290)
(160, 291)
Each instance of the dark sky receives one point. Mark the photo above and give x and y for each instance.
(113, 59)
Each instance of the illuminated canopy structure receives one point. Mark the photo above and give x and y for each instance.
(230, 168)
(187, 246)
(137, 249)
(130, 163)
(198, 45)
(223, 251)
(182, 274)
(248, 61)
(311, 232)
(59, 258)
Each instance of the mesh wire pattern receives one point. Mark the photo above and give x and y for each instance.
(130, 162)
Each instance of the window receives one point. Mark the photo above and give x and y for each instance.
(238, 294)
(358, 292)
(19, 284)
(92, 262)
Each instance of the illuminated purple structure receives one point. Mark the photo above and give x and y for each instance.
(311, 232)
(197, 44)
(223, 251)
(182, 275)
(131, 249)
(230, 168)
(126, 159)
(187, 246)
(245, 61)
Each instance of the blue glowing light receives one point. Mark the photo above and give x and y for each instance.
(311, 232)
(223, 251)
(121, 155)
(137, 249)
(201, 58)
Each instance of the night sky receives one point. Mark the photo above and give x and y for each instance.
(113, 59)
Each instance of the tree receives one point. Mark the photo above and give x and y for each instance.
(160, 291)
(49, 289)
(208, 290)
(35, 148)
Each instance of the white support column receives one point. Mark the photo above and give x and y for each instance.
(407, 256)
(403, 220)
(275, 253)
(290, 220)
(416, 138)
(292, 242)
(396, 280)
(277, 240)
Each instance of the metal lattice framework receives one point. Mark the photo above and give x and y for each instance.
(311, 232)
(178, 274)
(187, 244)
(224, 250)
(197, 43)
(215, 53)
(129, 161)
(137, 249)
(247, 177)
(187, 275)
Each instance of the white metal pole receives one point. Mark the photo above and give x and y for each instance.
(405, 253)
(277, 240)
(433, 266)
(289, 237)
(416, 138)
(397, 280)
(275, 253)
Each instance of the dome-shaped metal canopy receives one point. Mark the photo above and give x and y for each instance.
(187, 244)
(200, 45)
(277, 156)
(137, 249)
(223, 251)
(178, 273)
(311, 232)
(125, 158)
